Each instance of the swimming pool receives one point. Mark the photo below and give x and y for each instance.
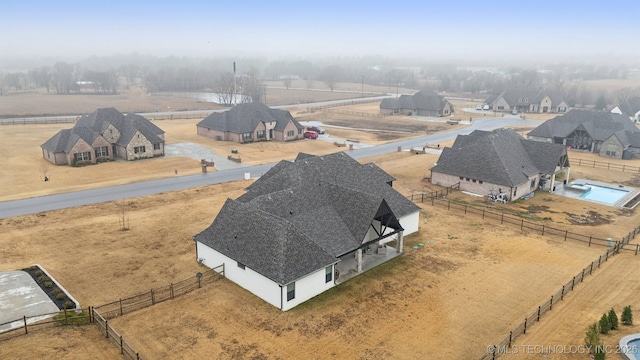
(629, 347)
(602, 194)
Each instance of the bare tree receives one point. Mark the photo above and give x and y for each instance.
(45, 172)
(624, 94)
(130, 72)
(252, 88)
(63, 77)
(309, 82)
(225, 88)
(41, 77)
(330, 75)
(286, 82)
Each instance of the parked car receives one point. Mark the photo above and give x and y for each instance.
(514, 112)
(486, 107)
(479, 107)
(315, 129)
(310, 135)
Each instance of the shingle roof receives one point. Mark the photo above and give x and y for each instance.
(599, 124)
(90, 126)
(246, 117)
(630, 106)
(292, 221)
(500, 157)
(628, 138)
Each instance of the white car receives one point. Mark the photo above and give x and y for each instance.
(479, 107)
(486, 107)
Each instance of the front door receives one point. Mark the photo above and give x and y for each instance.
(270, 134)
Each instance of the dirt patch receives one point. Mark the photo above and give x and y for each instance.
(591, 218)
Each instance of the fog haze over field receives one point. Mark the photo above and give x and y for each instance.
(465, 31)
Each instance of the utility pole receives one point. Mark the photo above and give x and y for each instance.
(233, 96)
(362, 91)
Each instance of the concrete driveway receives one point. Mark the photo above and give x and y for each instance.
(199, 152)
(21, 296)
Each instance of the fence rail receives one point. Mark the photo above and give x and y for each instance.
(436, 198)
(357, 113)
(348, 103)
(74, 119)
(605, 165)
(100, 315)
(504, 345)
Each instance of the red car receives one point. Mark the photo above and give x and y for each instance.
(310, 135)
(315, 129)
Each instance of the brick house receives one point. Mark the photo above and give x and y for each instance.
(528, 101)
(500, 161)
(422, 103)
(250, 122)
(104, 135)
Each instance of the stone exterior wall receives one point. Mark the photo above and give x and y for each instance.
(139, 140)
(485, 188)
(612, 148)
(80, 147)
(111, 134)
(501, 102)
(102, 142)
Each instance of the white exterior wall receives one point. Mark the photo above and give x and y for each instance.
(410, 223)
(264, 288)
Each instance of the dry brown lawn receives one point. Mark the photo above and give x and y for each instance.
(450, 299)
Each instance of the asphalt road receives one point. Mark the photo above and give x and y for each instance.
(87, 197)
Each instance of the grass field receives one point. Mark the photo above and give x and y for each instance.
(448, 300)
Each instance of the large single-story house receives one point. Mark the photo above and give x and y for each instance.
(250, 122)
(630, 107)
(582, 129)
(422, 103)
(103, 135)
(533, 101)
(623, 144)
(500, 162)
(305, 226)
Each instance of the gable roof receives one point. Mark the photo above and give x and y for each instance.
(599, 124)
(90, 126)
(298, 223)
(500, 157)
(526, 97)
(246, 117)
(628, 138)
(631, 106)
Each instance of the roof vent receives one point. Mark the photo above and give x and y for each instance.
(290, 212)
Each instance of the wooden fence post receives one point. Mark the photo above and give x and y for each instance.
(551, 304)
(153, 300)
(121, 307)
(599, 258)
(24, 318)
(121, 346)
(483, 213)
(525, 326)
(502, 219)
(106, 328)
(562, 296)
(171, 289)
(637, 246)
(573, 281)
(582, 279)
(448, 204)
(542, 229)
(538, 313)
(591, 268)
(465, 209)
(522, 224)
(565, 234)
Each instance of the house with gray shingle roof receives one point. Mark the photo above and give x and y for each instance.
(422, 103)
(584, 130)
(103, 135)
(529, 101)
(250, 122)
(623, 144)
(630, 107)
(307, 225)
(500, 161)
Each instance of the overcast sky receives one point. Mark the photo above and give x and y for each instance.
(545, 29)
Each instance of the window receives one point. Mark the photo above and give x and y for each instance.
(260, 134)
(300, 131)
(474, 180)
(240, 265)
(466, 179)
(514, 192)
(533, 183)
(501, 107)
(291, 291)
(526, 100)
(102, 152)
(139, 149)
(290, 133)
(562, 109)
(461, 177)
(328, 274)
(520, 100)
(83, 156)
(246, 136)
(480, 181)
(156, 146)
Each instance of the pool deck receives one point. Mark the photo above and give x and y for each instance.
(574, 192)
(629, 352)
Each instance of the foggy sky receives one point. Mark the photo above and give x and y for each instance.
(546, 30)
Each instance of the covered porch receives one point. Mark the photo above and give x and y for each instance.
(347, 268)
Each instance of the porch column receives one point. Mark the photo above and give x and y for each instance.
(359, 260)
(567, 172)
(400, 242)
(553, 183)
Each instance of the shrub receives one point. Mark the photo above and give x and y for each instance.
(604, 324)
(592, 338)
(69, 305)
(613, 319)
(627, 315)
(48, 284)
(43, 278)
(39, 272)
(72, 318)
(33, 267)
(60, 296)
(56, 291)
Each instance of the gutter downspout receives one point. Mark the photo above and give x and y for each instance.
(281, 300)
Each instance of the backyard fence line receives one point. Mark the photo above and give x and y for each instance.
(357, 113)
(100, 315)
(605, 165)
(44, 321)
(353, 102)
(40, 120)
(436, 198)
(504, 345)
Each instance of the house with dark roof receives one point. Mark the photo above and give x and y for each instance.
(630, 107)
(529, 101)
(500, 162)
(422, 103)
(307, 225)
(103, 135)
(623, 144)
(584, 130)
(250, 122)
